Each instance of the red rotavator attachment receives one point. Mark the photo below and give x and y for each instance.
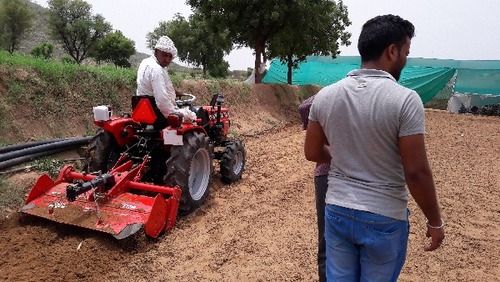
(114, 202)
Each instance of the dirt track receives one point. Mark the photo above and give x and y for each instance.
(263, 228)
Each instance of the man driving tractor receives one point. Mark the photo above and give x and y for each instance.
(153, 80)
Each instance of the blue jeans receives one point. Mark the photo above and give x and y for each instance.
(363, 246)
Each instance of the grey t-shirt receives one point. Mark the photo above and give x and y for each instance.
(363, 116)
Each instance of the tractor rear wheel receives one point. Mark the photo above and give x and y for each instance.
(232, 163)
(102, 153)
(190, 167)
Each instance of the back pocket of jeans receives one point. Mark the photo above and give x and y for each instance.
(384, 242)
(390, 229)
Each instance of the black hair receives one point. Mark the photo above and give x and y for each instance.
(380, 32)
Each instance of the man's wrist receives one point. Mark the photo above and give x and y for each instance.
(434, 225)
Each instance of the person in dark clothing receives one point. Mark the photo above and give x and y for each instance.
(321, 186)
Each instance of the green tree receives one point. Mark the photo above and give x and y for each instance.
(249, 23)
(196, 43)
(72, 23)
(220, 69)
(177, 29)
(312, 28)
(43, 50)
(15, 19)
(115, 48)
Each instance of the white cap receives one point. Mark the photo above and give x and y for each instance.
(165, 44)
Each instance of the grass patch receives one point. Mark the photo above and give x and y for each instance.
(3, 118)
(48, 165)
(245, 89)
(62, 74)
(39, 99)
(213, 86)
(306, 91)
(281, 92)
(16, 90)
(51, 85)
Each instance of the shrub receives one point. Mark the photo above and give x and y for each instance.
(43, 50)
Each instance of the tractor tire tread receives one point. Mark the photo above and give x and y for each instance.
(227, 162)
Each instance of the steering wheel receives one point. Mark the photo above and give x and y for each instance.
(186, 100)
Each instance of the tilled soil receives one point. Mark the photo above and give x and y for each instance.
(264, 227)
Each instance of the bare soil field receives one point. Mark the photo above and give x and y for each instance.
(263, 228)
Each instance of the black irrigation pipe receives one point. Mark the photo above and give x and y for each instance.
(29, 157)
(16, 147)
(7, 172)
(28, 154)
(72, 142)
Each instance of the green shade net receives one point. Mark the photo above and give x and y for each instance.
(427, 81)
(471, 81)
(426, 76)
(474, 77)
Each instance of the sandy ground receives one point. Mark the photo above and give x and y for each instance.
(263, 228)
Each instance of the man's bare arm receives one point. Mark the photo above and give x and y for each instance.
(315, 148)
(421, 185)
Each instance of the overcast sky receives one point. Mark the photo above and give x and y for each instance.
(446, 29)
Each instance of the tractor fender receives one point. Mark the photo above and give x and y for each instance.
(121, 128)
(187, 128)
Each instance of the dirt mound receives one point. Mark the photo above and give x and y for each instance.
(37, 250)
(12, 191)
(255, 108)
(33, 107)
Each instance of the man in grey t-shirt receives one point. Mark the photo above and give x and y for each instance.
(375, 131)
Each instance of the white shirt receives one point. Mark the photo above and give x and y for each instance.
(153, 80)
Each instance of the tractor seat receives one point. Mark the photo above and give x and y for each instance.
(146, 112)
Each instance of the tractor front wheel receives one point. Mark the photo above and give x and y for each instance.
(190, 167)
(232, 163)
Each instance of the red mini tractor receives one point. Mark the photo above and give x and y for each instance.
(141, 169)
